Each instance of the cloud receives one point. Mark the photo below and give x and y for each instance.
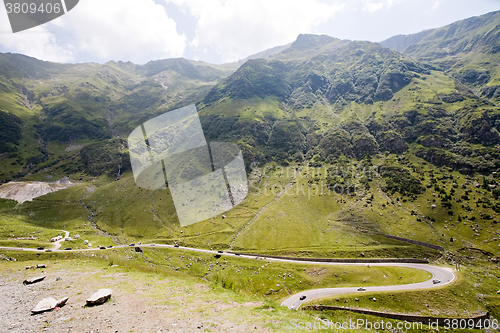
(37, 42)
(234, 29)
(129, 30)
(373, 7)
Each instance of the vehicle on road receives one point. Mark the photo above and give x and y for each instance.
(436, 281)
(132, 244)
(303, 297)
(48, 250)
(153, 244)
(176, 245)
(110, 246)
(361, 289)
(67, 249)
(41, 248)
(220, 251)
(102, 247)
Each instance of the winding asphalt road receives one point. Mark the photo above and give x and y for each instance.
(445, 275)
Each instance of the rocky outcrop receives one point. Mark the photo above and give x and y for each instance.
(391, 141)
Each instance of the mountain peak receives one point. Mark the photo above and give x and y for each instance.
(309, 41)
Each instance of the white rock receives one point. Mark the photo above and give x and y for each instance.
(99, 297)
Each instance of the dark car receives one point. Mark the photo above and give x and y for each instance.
(110, 246)
(41, 248)
(176, 245)
(220, 251)
(102, 247)
(303, 297)
(133, 244)
(67, 249)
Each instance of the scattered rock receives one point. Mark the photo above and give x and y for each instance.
(62, 302)
(49, 304)
(41, 266)
(433, 206)
(34, 280)
(138, 249)
(30, 267)
(99, 297)
(46, 304)
(498, 292)
(58, 278)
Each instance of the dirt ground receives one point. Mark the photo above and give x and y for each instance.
(141, 302)
(27, 191)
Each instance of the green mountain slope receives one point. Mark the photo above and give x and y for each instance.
(50, 110)
(468, 50)
(345, 142)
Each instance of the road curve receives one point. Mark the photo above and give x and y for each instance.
(445, 275)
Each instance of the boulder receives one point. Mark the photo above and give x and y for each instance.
(33, 280)
(46, 304)
(41, 266)
(49, 304)
(62, 302)
(99, 297)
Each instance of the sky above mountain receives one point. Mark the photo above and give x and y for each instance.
(220, 31)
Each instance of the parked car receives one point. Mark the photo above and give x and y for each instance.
(102, 247)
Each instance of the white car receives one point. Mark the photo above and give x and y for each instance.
(436, 281)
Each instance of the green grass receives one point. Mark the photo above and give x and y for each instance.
(473, 293)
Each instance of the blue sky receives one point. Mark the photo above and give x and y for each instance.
(220, 31)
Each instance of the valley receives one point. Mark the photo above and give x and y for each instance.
(361, 152)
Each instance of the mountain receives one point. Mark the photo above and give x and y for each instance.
(49, 110)
(469, 50)
(344, 142)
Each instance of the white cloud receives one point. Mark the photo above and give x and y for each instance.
(372, 7)
(129, 30)
(135, 30)
(37, 42)
(235, 29)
